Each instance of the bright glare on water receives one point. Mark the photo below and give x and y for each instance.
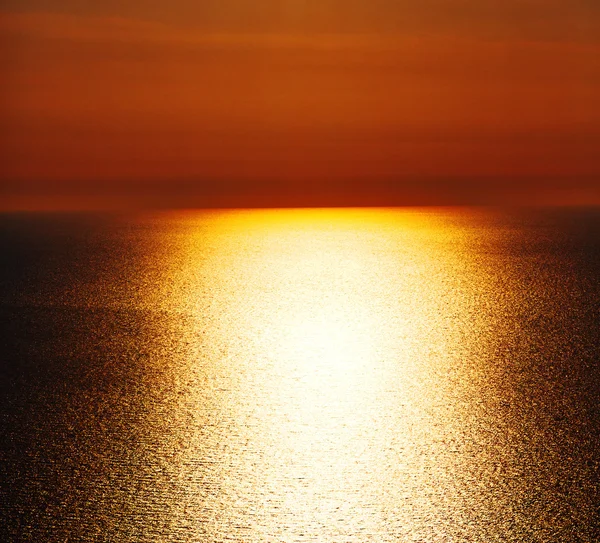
(302, 375)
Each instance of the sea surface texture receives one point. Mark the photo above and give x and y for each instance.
(414, 376)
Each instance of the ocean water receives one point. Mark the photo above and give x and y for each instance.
(301, 375)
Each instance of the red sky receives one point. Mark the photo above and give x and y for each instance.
(329, 102)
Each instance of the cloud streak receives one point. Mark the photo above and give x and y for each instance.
(89, 98)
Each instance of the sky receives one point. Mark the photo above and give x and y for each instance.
(236, 103)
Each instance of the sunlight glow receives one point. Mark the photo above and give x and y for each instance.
(334, 345)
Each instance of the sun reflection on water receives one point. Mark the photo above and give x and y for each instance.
(324, 338)
(302, 375)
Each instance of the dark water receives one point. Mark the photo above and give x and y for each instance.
(375, 375)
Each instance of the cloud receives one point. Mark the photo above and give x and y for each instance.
(97, 97)
(567, 20)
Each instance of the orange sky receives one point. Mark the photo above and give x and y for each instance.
(230, 101)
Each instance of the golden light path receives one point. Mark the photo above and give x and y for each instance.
(325, 392)
(401, 376)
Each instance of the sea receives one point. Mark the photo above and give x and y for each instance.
(300, 375)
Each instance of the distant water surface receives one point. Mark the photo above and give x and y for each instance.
(301, 375)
